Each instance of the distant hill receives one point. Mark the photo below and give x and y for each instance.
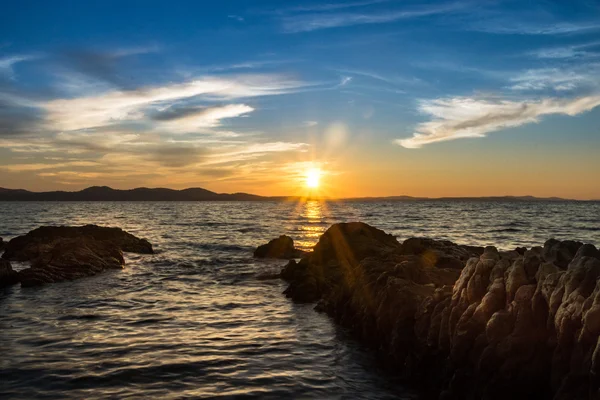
(105, 193)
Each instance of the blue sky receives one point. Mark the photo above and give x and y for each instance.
(246, 95)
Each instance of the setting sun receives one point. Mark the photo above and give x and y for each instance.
(313, 176)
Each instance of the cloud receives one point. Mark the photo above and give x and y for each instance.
(557, 79)
(120, 106)
(190, 118)
(45, 166)
(6, 64)
(18, 119)
(573, 51)
(464, 117)
(511, 26)
(176, 156)
(317, 21)
(334, 6)
(103, 66)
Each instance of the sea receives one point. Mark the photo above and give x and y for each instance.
(193, 320)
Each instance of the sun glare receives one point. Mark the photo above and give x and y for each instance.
(313, 176)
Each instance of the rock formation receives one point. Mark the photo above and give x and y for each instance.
(31, 245)
(1, 244)
(7, 275)
(281, 247)
(66, 253)
(520, 324)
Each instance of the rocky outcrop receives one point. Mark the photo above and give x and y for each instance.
(67, 259)
(281, 247)
(30, 246)
(7, 275)
(519, 324)
(67, 253)
(2, 244)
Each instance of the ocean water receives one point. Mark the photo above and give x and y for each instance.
(192, 320)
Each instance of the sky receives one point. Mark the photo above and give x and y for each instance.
(384, 97)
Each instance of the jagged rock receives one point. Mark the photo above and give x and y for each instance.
(281, 247)
(32, 245)
(440, 253)
(7, 275)
(520, 324)
(560, 253)
(72, 258)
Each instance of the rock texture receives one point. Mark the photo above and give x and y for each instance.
(281, 247)
(30, 246)
(521, 324)
(7, 275)
(67, 253)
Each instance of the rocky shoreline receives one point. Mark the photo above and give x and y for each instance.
(463, 322)
(66, 253)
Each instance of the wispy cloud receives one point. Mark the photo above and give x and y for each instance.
(572, 51)
(103, 65)
(558, 79)
(317, 21)
(334, 6)
(512, 26)
(122, 106)
(465, 117)
(7, 63)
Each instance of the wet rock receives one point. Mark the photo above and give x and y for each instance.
(7, 275)
(67, 259)
(281, 247)
(521, 324)
(37, 242)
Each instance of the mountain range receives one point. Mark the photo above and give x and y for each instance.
(105, 193)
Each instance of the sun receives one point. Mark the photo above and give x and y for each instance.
(313, 176)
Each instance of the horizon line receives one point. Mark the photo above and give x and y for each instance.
(309, 196)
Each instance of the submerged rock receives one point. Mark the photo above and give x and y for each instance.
(30, 246)
(281, 247)
(520, 324)
(66, 253)
(7, 275)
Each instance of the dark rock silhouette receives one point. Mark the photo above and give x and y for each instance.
(7, 275)
(66, 253)
(30, 246)
(519, 324)
(67, 259)
(281, 247)
(2, 244)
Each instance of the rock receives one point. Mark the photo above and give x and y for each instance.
(560, 253)
(440, 253)
(72, 258)
(281, 247)
(32, 245)
(520, 324)
(2, 244)
(7, 275)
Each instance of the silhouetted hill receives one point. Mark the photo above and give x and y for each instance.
(105, 193)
